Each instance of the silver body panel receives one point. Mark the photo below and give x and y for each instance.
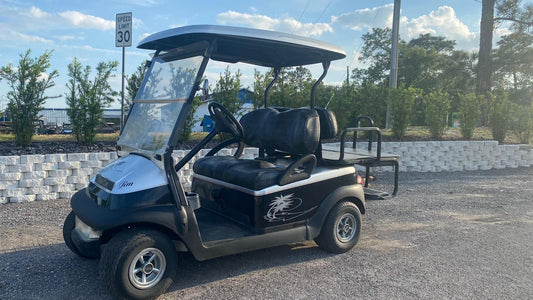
(131, 174)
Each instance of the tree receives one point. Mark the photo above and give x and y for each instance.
(87, 98)
(426, 62)
(28, 83)
(375, 53)
(260, 84)
(484, 69)
(513, 67)
(185, 134)
(508, 10)
(342, 103)
(134, 83)
(227, 90)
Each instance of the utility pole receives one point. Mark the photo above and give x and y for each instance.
(348, 74)
(394, 57)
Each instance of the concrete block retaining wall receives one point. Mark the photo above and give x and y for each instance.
(43, 177)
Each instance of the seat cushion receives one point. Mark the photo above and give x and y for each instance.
(250, 174)
(295, 131)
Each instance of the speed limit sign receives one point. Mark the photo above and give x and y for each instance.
(123, 30)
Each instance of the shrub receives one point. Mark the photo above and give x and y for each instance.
(437, 108)
(87, 98)
(27, 83)
(469, 114)
(402, 100)
(521, 122)
(371, 100)
(499, 117)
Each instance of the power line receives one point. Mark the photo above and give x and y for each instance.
(320, 17)
(301, 15)
(361, 45)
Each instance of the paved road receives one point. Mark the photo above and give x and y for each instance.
(447, 235)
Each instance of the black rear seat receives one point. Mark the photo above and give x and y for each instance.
(295, 133)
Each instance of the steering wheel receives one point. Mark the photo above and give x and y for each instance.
(225, 121)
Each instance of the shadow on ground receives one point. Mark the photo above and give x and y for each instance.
(53, 272)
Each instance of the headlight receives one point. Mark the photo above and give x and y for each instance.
(86, 230)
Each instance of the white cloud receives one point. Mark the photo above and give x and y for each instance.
(114, 52)
(137, 23)
(367, 18)
(443, 22)
(144, 35)
(36, 12)
(35, 19)
(81, 20)
(68, 37)
(8, 34)
(286, 24)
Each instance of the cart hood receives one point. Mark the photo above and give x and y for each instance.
(130, 174)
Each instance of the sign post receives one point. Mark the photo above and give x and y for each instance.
(123, 39)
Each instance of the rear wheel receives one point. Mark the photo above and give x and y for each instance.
(138, 264)
(68, 226)
(342, 228)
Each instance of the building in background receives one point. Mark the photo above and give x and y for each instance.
(58, 116)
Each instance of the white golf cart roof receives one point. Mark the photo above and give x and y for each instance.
(253, 46)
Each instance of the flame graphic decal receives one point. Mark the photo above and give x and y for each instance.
(283, 207)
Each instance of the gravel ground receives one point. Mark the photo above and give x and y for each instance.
(447, 235)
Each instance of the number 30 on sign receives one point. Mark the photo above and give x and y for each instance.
(123, 30)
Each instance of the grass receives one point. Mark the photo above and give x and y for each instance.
(416, 133)
(100, 137)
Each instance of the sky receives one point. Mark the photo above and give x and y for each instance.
(86, 29)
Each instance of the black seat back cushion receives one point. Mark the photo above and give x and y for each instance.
(328, 123)
(295, 131)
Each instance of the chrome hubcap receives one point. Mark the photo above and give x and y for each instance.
(346, 228)
(147, 268)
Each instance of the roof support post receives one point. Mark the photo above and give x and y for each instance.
(325, 66)
(267, 90)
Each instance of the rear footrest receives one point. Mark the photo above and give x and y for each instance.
(373, 194)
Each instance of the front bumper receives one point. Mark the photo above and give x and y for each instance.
(89, 247)
(100, 218)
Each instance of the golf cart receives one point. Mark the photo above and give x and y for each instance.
(135, 215)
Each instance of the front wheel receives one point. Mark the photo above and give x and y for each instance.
(138, 264)
(342, 228)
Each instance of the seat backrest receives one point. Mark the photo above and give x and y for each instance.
(294, 131)
(328, 123)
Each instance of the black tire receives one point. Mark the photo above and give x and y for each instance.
(340, 232)
(123, 251)
(68, 226)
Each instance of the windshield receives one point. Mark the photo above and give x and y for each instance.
(166, 87)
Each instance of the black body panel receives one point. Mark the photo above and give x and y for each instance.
(103, 218)
(88, 248)
(266, 212)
